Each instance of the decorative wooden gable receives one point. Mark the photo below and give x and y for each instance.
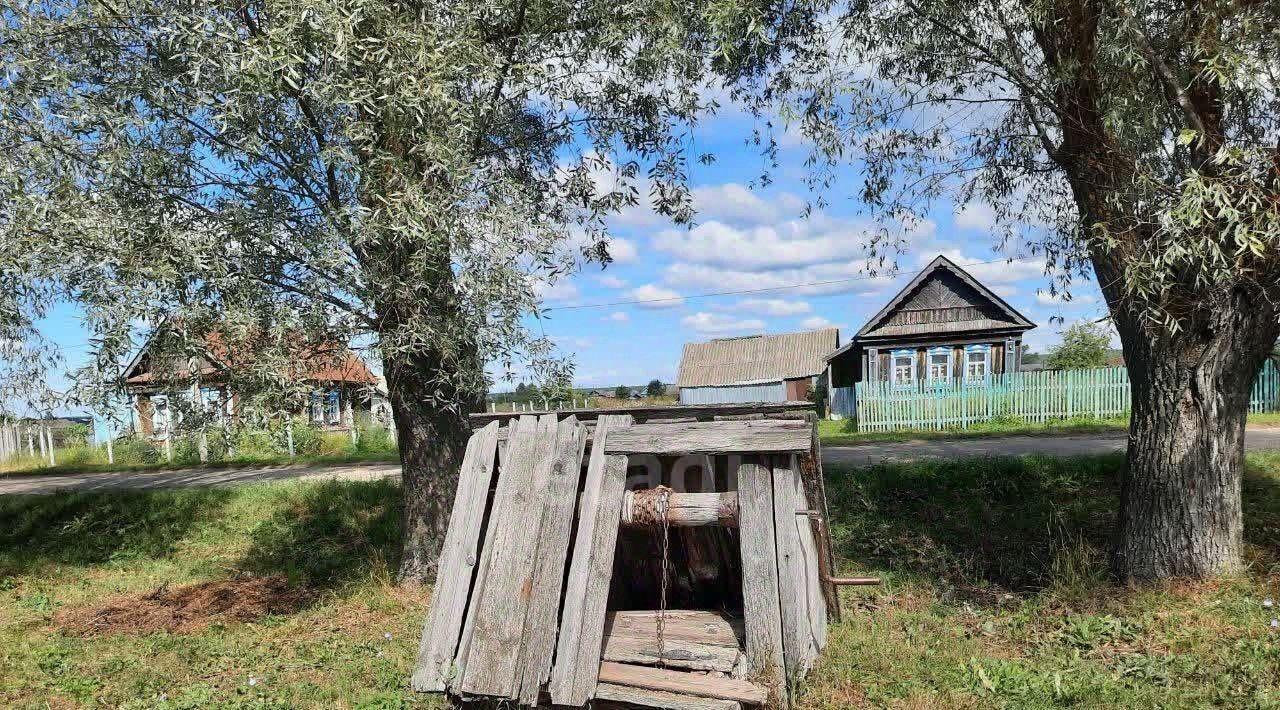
(943, 298)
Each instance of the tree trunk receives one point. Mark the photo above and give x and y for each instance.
(1180, 508)
(431, 439)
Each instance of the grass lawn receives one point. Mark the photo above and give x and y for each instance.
(995, 595)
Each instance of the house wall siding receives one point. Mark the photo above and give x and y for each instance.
(731, 394)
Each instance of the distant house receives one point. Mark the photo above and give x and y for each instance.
(944, 326)
(756, 368)
(343, 387)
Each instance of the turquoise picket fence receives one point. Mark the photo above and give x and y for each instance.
(1029, 396)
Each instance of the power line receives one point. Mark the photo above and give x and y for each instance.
(742, 292)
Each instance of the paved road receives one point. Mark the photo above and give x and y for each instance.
(861, 454)
(194, 477)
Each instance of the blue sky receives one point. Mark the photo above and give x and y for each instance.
(757, 239)
(746, 239)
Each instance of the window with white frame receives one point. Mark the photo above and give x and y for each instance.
(332, 408)
(977, 363)
(939, 365)
(903, 367)
(317, 408)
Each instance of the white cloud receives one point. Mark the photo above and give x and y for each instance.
(977, 216)
(617, 317)
(611, 281)
(622, 250)
(999, 271)
(772, 306)
(732, 202)
(1059, 299)
(787, 245)
(557, 292)
(573, 341)
(704, 322)
(656, 296)
(849, 276)
(815, 323)
(795, 243)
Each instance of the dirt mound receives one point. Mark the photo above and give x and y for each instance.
(186, 609)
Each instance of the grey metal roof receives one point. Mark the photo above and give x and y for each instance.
(756, 358)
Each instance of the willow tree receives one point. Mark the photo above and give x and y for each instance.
(1134, 138)
(409, 174)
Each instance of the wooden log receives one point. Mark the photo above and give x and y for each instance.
(705, 686)
(683, 509)
(458, 559)
(582, 621)
(502, 605)
(760, 602)
(766, 436)
(629, 697)
(560, 498)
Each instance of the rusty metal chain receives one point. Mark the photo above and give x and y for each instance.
(664, 494)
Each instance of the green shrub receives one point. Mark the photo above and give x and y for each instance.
(135, 451)
(306, 439)
(374, 440)
(259, 443)
(79, 456)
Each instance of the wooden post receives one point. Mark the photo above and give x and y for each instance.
(40, 436)
(48, 432)
(760, 595)
(111, 451)
(288, 436)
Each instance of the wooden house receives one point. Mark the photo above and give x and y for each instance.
(755, 368)
(945, 327)
(342, 386)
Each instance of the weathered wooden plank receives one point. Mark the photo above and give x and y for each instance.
(501, 606)
(628, 697)
(559, 505)
(708, 627)
(815, 488)
(797, 568)
(706, 686)
(582, 621)
(702, 412)
(765, 436)
(676, 653)
(760, 601)
(686, 510)
(497, 512)
(458, 559)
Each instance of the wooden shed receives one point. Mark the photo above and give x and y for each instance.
(672, 557)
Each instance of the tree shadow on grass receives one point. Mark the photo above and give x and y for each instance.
(982, 524)
(97, 527)
(330, 534)
(1010, 524)
(1261, 503)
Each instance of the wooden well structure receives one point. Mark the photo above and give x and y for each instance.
(671, 557)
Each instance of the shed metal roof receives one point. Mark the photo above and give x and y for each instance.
(757, 358)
